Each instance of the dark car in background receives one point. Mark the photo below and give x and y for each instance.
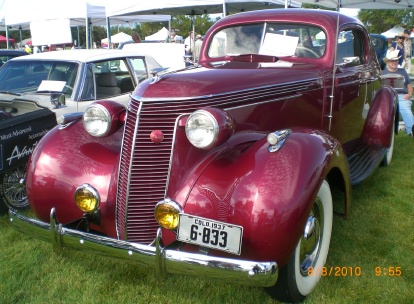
(22, 123)
(6, 55)
(380, 43)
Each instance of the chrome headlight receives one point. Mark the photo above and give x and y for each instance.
(87, 198)
(201, 129)
(167, 213)
(96, 120)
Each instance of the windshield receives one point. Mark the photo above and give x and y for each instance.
(274, 39)
(28, 76)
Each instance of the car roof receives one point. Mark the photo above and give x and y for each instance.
(80, 55)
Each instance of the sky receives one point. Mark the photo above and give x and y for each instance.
(353, 12)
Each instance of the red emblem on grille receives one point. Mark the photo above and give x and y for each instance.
(157, 136)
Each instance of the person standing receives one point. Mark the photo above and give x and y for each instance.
(407, 50)
(197, 47)
(189, 41)
(405, 93)
(398, 44)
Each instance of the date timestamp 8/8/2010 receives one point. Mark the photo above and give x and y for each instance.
(349, 271)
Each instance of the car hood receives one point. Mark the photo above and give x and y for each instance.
(226, 78)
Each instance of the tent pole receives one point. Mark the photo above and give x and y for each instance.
(20, 34)
(7, 37)
(78, 43)
(108, 32)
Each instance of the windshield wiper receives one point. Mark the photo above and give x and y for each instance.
(253, 58)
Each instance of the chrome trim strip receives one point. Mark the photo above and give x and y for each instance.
(117, 178)
(167, 184)
(129, 171)
(164, 260)
(264, 102)
(129, 168)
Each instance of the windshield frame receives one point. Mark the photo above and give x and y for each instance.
(280, 39)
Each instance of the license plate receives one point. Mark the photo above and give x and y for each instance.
(208, 233)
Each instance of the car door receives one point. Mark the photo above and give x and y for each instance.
(352, 78)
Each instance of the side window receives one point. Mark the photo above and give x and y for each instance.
(350, 47)
(107, 78)
(140, 69)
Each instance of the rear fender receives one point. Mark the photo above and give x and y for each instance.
(383, 110)
(269, 194)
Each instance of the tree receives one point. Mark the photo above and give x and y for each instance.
(184, 24)
(379, 21)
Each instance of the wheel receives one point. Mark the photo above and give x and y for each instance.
(12, 189)
(388, 155)
(304, 269)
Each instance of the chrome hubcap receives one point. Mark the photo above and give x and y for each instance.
(311, 240)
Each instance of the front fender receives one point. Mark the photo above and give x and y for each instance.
(269, 194)
(65, 159)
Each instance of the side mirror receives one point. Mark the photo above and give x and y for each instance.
(57, 100)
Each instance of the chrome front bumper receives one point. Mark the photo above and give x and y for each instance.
(164, 260)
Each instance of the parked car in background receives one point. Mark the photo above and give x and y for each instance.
(380, 43)
(83, 76)
(6, 55)
(22, 123)
(237, 157)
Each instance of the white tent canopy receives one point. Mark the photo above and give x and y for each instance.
(161, 35)
(26, 11)
(190, 7)
(118, 38)
(21, 13)
(363, 4)
(391, 33)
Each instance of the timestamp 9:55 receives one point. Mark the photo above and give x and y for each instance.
(390, 271)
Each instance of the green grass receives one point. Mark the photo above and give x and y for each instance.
(378, 233)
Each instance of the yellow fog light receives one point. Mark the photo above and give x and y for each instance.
(167, 213)
(87, 198)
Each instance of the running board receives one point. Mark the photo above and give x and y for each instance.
(363, 161)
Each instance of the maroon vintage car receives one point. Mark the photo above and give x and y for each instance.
(236, 156)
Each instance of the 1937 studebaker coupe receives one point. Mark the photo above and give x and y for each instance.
(236, 157)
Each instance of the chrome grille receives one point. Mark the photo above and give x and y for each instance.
(144, 166)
